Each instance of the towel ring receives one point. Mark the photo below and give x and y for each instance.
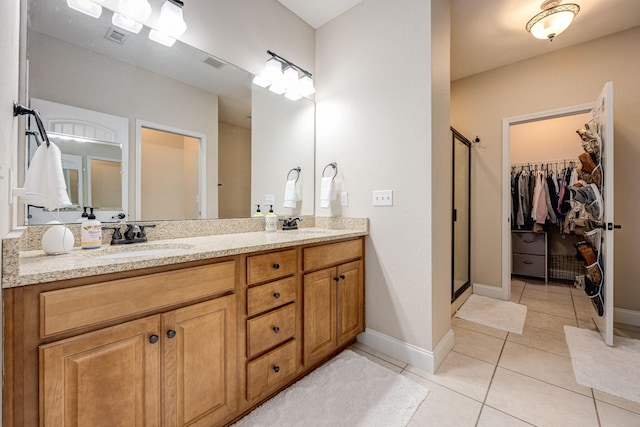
(333, 165)
(297, 171)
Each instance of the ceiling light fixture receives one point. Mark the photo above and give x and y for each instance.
(86, 6)
(170, 24)
(285, 82)
(130, 14)
(553, 20)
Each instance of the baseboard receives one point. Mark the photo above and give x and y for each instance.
(424, 359)
(494, 292)
(628, 317)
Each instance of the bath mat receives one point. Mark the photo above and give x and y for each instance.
(614, 370)
(495, 313)
(349, 390)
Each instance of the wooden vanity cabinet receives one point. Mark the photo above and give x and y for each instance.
(166, 367)
(333, 298)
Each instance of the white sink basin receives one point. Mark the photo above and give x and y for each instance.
(141, 252)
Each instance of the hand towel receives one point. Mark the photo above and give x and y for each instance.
(290, 194)
(44, 181)
(327, 191)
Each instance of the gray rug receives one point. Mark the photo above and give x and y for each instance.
(348, 391)
(495, 313)
(614, 370)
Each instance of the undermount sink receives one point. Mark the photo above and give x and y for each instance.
(140, 251)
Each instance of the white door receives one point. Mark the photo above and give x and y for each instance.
(603, 114)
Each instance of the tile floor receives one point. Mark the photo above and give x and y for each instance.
(494, 378)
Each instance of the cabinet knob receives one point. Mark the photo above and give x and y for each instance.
(276, 329)
(276, 369)
(154, 339)
(336, 279)
(171, 333)
(276, 295)
(276, 266)
(342, 276)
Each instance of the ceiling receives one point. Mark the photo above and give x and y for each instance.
(490, 33)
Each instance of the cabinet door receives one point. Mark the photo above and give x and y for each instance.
(105, 378)
(200, 366)
(350, 301)
(319, 314)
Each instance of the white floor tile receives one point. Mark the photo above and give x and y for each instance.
(548, 321)
(551, 287)
(532, 293)
(487, 330)
(475, 344)
(461, 373)
(540, 403)
(443, 407)
(541, 339)
(493, 418)
(541, 365)
(612, 416)
(617, 401)
(548, 307)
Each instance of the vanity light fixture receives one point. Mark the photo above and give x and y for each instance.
(170, 24)
(130, 14)
(86, 6)
(285, 82)
(553, 20)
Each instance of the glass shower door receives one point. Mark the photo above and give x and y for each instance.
(461, 227)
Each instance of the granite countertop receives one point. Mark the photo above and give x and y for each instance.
(35, 266)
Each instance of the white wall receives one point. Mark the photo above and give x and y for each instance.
(375, 119)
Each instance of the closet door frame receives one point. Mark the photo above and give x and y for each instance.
(504, 292)
(457, 136)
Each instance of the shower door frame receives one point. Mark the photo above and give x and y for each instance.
(455, 135)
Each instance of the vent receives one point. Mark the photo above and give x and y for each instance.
(115, 36)
(215, 63)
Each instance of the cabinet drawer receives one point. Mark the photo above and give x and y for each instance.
(72, 308)
(529, 265)
(274, 265)
(267, 372)
(270, 295)
(528, 243)
(269, 330)
(335, 253)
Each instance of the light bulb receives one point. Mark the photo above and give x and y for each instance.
(273, 70)
(306, 86)
(171, 20)
(137, 10)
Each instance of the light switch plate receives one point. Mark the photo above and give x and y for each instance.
(344, 198)
(269, 199)
(383, 198)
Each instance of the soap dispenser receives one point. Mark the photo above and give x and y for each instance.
(84, 215)
(271, 220)
(91, 232)
(258, 214)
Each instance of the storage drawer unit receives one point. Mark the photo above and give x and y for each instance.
(267, 331)
(529, 254)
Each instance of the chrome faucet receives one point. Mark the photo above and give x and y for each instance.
(134, 233)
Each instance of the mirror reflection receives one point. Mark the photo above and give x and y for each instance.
(218, 162)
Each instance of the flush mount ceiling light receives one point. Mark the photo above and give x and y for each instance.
(285, 82)
(553, 20)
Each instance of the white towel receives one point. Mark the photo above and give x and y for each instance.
(327, 191)
(44, 181)
(290, 194)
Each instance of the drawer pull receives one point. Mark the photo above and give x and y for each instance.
(528, 241)
(276, 369)
(528, 262)
(276, 295)
(342, 276)
(154, 339)
(171, 333)
(276, 329)
(336, 279)
(276, 266)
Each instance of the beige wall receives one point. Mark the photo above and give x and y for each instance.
(376, 118)
(234, 171)
(570, 76)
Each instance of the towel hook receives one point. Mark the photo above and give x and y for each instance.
(297, 170)
(333, 165)
(19, 110)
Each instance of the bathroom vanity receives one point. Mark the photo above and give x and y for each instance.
(198, 336)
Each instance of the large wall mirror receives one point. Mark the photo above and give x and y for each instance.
(198, 141)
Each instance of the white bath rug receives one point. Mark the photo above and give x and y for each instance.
(348, 391)
(614, 370)
(495, 313)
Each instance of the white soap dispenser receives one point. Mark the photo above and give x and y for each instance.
(91, 232)
(271, 220)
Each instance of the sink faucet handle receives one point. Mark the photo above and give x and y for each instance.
(130, 232)
(117, 233)
(142, 233)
